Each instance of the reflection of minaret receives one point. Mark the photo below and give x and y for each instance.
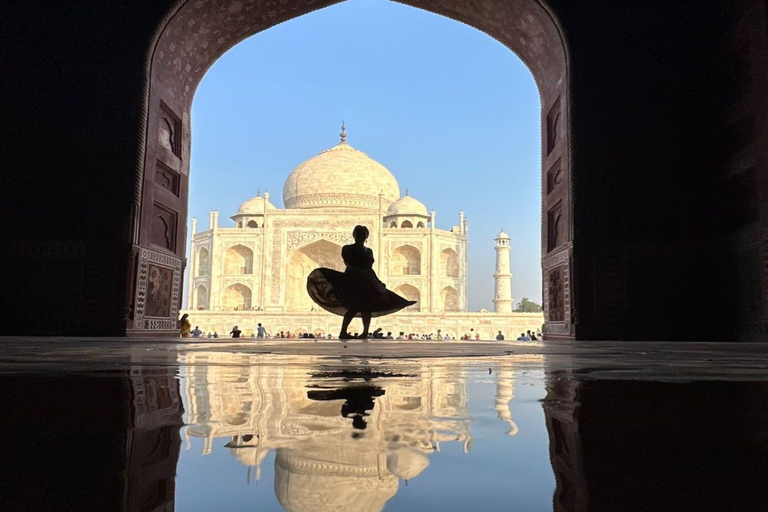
(505, 391)
(502, 302)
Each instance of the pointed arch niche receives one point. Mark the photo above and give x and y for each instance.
(238, 259)
(405, 261)
(304, 260)
(449, 263)
(236, 296)
(410, 292)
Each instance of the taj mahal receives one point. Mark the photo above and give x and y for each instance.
(255, 271)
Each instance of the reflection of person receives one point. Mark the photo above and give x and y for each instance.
(185, 325)
(357, 291)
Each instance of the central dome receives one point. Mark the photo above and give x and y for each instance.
(340, 177)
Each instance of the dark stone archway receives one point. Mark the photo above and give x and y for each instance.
(655, 217)
(197, 32)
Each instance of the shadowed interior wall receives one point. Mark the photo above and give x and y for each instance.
(654, 183)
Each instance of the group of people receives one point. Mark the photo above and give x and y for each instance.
(524, 336)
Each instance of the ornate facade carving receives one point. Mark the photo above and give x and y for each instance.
(158, 284)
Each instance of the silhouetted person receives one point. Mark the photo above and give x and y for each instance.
(235, 332)
(378, 333)
(356, 291)
(500, 336)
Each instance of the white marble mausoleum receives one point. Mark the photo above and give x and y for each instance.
(256, 269)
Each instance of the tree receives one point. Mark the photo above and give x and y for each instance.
(527, 306)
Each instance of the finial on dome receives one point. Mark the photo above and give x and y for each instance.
(258, 192)
(343, 133)
(406, 192)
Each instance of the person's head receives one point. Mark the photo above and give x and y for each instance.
(259, 325)
(196, 327)
(401, 333)
(235, 328)
(360, 233)
(499, 332)
(389, 333)
(184, 316)
(522, 334)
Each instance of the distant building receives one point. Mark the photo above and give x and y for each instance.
(261, 263)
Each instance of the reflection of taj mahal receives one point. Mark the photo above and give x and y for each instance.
(343, 437)
(262, 262)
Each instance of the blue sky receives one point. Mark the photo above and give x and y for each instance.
(450, 111)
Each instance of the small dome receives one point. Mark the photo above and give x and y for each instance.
(502, 236)
(407, 206)
(255, 206)
(406, 463)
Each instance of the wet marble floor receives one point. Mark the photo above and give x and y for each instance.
(158, 425)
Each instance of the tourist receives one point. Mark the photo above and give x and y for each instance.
(523, 337)
(477, 336)
(401, 336)
(378, 333)
(499, 337)
(447, 337)
(439, 336)
(235, 332)
(388, 336)
(533, 337)
(261, 332)
(215, 334)
(185, 325)
(196, 332)
(363, 293)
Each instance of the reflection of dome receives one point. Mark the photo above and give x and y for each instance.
(303, 484)
(407, 206)
(255, 206)
(340, 177)
(249, 456)
(407, 463)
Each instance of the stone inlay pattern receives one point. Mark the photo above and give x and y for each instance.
(142, 320)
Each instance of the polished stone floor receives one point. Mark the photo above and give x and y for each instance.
(160, 425)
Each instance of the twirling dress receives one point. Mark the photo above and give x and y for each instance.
(357, 288)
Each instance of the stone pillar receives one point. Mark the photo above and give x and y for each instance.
(502, 302)
(212, 219)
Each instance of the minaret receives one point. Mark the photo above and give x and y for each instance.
(502, 302)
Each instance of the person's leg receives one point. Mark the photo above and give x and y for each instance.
(366, 324)
(348, 316)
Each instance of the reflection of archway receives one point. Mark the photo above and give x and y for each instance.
(193, 35)
(303, 261)
(201, 297)
(411, 293)
(203, 262)
(236, 296)
(238, 260)
(405, 261)
(449, 263)
(449, 299)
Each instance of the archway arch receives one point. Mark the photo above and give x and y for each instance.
(304, 260)
(238, 259)
(449, 263)
(406, 224)
(449, 299)
(236, 296)
(253, 224)
(193, 34)
(410, 292)
(405, 261)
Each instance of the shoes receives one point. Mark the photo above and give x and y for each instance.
(345, 336)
